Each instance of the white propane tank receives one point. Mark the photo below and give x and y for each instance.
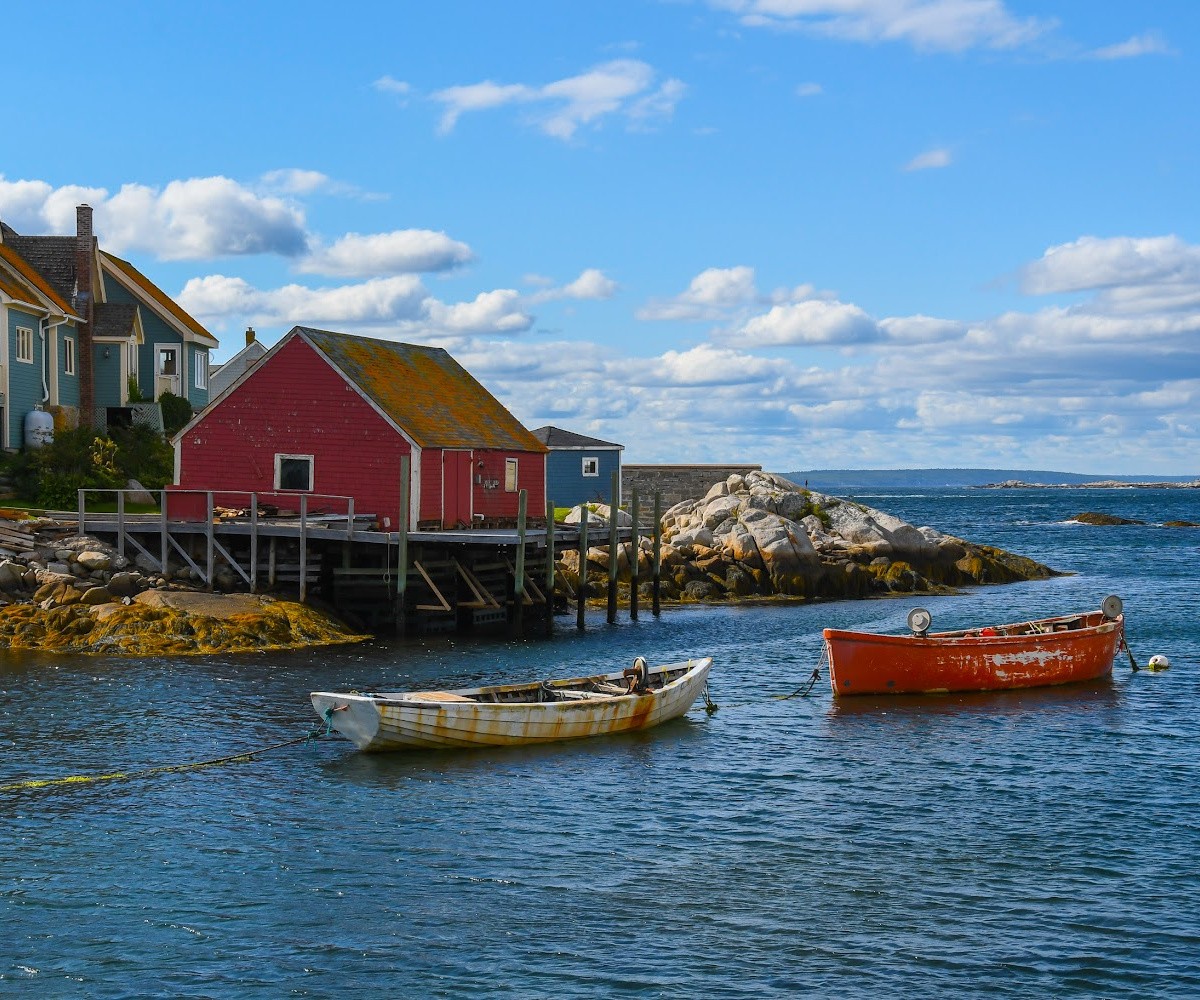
(39, 429)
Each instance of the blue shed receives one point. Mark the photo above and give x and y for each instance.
(579, 468)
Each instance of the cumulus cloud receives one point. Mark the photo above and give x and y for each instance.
(402, 251)
(812, 321)
(1093, 262)
(934, 25)
(710, 295)
(560, 108)
(931, 159)
(592, 284)
(394, 306)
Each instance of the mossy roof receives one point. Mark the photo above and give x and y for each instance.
(424, 391)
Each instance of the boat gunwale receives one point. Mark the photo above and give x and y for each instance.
(406, 700)
(971, 637)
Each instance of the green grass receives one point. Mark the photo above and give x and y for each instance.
(33, 508)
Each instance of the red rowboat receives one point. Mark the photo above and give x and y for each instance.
(1028, 654)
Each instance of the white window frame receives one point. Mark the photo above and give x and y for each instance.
(510, 475)
(68, 355)
(201, 366)
(25, 340)
(280, 458)
(591, 465)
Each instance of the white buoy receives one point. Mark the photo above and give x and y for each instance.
(1158, 662)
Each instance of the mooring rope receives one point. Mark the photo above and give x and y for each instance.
(87, 779)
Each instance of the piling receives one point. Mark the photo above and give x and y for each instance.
(549, 568)
(634, 546)
(402, 544)
(613, 507)
(656, 569)
(582, 590)
(518, 585)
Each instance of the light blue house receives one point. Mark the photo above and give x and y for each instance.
(84, 334)
(579, 469)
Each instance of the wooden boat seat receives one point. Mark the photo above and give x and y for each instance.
(436, 696)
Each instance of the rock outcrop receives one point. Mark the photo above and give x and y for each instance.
(760, 535)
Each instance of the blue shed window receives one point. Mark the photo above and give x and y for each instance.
(591, 466)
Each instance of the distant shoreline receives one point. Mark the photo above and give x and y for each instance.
(1105, 484)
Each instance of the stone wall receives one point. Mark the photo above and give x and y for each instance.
(677, 482)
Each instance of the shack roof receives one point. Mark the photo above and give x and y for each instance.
(556, 437)
(424, 391)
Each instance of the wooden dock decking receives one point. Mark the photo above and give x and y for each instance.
(427, 580)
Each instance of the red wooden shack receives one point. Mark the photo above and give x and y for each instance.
(332, 414)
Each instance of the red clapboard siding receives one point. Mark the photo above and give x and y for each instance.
(297, 404)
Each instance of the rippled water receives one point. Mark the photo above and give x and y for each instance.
(1025, 844)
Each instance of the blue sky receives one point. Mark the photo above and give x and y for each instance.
(803, 233)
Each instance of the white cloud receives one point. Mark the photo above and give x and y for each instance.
(936, 25)
(1092, 262)
(1146, 44)
(390, 85)
(813, 321)
(402, 251)
(809, 90)
(710, 295)
(561, 107)
(393, 307)
(932, 159)
(294, 180)
(592, 284)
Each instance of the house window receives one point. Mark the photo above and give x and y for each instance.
(591, 466)
(68, 355)
(294, 472)
(201, 370)
(510, 475)
(25, 344)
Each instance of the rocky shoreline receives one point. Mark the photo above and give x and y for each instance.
(761, 536)
(63, 593)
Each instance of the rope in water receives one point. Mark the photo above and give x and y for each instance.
(87, 779)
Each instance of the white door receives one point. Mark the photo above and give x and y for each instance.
(166, 370)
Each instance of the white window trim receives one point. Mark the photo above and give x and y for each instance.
(24, 333)
(68, 355)
(312, 472)
(201, 366)
(510, 475)
(595, 464)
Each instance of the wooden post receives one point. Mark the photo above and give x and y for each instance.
(254, 543)
(350, 519)
(79, 528)
(303, 547)
(402, 542)
(271, 564)
(519, 565)
(613, 507)
(210, 565)
(634, 546)
(164, 535)
(581, 592)
(656, 578)
(120, 522)
(549, 567)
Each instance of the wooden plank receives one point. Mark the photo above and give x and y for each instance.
(444, 605)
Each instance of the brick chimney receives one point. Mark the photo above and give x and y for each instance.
(85, 285)
(249, 335)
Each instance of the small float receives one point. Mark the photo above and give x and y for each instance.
(1039, 653)
(517, 714)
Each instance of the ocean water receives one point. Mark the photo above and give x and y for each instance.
(1044, 843)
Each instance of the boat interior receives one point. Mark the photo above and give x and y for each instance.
(1043, 626)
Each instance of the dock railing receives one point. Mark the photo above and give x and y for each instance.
(184, 506)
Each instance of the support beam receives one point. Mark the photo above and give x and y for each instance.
(209, 538)
(254, 543)
(402, 541)
(656, 570)
(613, 507)
(303, 547)
(550, 567)
(519, 598)
(581, 591)
(163, 530)
(633, 558)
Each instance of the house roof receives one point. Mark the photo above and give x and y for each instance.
(31, 276)
(424, 391)
(114, 319)
(52, 256)
(556, 437)
(221, 377)
(168, 306)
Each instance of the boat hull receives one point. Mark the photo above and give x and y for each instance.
(1064, 651)
(413, 721)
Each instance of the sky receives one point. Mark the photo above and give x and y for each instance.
(799, 233)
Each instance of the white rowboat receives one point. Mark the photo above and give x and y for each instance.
(516, 714)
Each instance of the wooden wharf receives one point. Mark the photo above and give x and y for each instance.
(422, 581)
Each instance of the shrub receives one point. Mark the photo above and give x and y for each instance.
(142, 453)
(176, 412)
(76, 460)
